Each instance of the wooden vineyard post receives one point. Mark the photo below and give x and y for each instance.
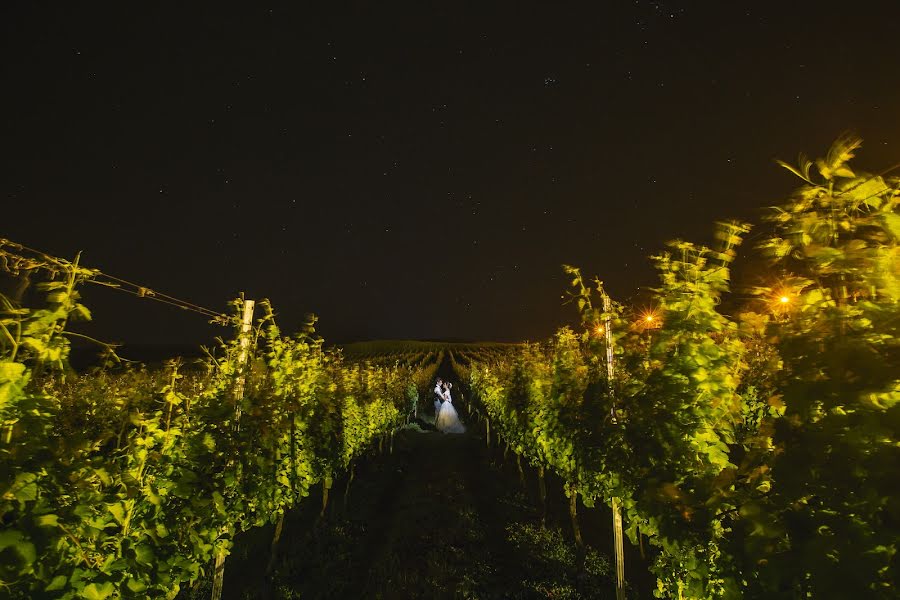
(641, 542)
(521, 472)
(326, 488)
(273, 550)
(616, 508)
(620, 550)
(243, 355)
(572, 491)
(218, 576)
(542, 492)
(352, 469)
(239, 384)
(294, 455)
(610, 356)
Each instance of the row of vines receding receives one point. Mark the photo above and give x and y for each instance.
(757, 451)
(128, 484)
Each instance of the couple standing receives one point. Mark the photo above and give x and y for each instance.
(445, 417)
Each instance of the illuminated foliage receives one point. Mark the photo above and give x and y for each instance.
(828, 525)
(759, 454)
(127, 485)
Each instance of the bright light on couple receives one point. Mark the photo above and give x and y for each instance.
(446, 419)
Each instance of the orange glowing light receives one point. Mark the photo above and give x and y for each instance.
(784, 299)
(600, 330)
(649, 320)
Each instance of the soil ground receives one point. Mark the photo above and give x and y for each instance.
(441, 516)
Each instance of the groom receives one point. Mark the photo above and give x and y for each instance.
(438, 396)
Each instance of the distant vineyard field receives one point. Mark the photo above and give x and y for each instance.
(376, 348)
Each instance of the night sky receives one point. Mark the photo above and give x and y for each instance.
(415, 169)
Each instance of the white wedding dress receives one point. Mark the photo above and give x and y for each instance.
(448, 420)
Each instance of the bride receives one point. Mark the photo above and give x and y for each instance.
(448, 420)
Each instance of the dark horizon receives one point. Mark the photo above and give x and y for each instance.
(415, 172)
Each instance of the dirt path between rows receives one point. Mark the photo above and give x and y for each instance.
(440, 517)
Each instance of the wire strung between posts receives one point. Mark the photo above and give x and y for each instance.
(145, 292)
(95, 276)
(151, 295)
